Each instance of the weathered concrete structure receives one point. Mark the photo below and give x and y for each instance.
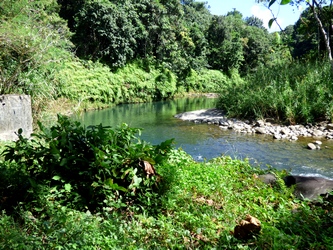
(15, 113)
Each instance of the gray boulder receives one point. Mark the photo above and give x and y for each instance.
(307, 187)
(268, 178)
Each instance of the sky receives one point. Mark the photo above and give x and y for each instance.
(285, 14)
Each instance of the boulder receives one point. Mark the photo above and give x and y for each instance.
(305, 187)
(309, 187)
(267, 178)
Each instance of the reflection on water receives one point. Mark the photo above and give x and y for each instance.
(204, 141)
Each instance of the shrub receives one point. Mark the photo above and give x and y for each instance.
(90, 167)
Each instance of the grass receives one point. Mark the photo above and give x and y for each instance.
(291, 93)
(198, 207)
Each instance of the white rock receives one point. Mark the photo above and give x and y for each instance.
(312, 146)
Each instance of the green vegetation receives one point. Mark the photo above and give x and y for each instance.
(89, 167)
(293, 93)
(97, 53)
(98, 188)
(72, 187)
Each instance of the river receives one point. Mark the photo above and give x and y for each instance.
(204, 141)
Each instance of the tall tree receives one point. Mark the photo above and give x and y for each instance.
(226, 47)
(316, 7)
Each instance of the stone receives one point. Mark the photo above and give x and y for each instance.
(309, 187)
(317, 133)
(260, 123)
(292, 132)
(277, 136)
(267, 178)
(318, 142)
(260, 130)
(285, 131)
(247, 228)
(312, 146)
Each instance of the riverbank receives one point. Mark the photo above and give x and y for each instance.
(322, 130)
(200, 206)
(195, 205)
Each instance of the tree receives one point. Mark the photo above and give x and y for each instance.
(32, 38)
(256, 46)
(254, 21)
(316, 7)
(225, 43)
(106, 31)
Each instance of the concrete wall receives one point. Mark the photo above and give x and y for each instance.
(15, 113)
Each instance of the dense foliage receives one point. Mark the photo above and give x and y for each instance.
(196, 209)
(86, 168)
(104, 52)
(71, 187)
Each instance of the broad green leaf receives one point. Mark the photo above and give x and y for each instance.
(68, 187)
(56, 178)
(117, 187)
(149, 159)
(283, 2)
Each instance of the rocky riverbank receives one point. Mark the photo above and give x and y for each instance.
(292, 132)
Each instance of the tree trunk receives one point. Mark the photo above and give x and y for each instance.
(324, 33)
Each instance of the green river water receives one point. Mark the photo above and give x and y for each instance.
(204, 141)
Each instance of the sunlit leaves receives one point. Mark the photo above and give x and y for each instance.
(283, 2)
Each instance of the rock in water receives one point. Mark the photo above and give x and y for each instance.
(312, 146)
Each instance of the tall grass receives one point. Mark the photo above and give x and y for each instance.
(293, 93)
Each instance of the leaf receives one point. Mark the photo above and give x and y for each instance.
(68, 187)
(63, 162)
(283, 2)
(271, 3)
(271, 22)
(117, 187)
(56, 178)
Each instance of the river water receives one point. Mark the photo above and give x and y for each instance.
(204, 141)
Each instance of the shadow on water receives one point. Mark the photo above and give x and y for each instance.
(204, 141)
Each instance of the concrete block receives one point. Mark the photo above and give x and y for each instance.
(15, 113)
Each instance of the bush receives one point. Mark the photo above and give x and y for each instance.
(90, 167)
